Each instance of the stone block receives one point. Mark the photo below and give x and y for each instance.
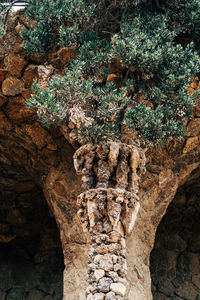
(12, 86)
(30, 74)
(159, 296)
(3, 99)
(106, 263)
(110, 296)
(193, 129)
(34, 294)
(118, 289)
(175, 243)
(38, 134)
(66, 54)
(17, 111)
(14, 64)
(191, 143)
(187, 291)
(99, 296)
(16, 293)
(2, 74)
(104, 284)
(98, 274)
(166, 287)
(194, 243)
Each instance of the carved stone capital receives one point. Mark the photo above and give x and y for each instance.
(111, 165)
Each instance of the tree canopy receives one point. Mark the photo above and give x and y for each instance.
(154, 44)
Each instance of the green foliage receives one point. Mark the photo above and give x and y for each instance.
(154, 125)
(185, 15)
(48, 15)
(2, 18)
(100, 106)
(40, 39)
(152, 52)
(105, 105)
(156, 69)
(142, 42)
(2, 30)
(50, 104)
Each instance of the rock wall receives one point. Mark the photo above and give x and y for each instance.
(44, 158)
(31, 259)
(158, 189)
(175, 259)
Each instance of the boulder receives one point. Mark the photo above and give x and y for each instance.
(12, 86)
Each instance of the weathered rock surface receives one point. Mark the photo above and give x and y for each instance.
(175, 260)
(118, 288)
(17, 111)
(108, 210)
(46, 158)
(31, 263)
(14, 64)
(12, 86)
(30, 74)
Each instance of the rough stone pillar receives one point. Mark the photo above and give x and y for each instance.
(108, 210)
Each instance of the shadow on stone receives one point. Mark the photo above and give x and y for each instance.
(175, 259)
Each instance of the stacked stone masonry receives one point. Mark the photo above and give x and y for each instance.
(31, 259)
(175, 259)
(108, 209)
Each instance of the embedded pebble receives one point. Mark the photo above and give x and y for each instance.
(106, 263)
(98, 274)
(99, 296)
(104, 284)
(110, 296)
(118, 288)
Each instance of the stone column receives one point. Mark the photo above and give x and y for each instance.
(108, 209)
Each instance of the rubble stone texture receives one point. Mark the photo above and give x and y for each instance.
(175, 259)
(108, 209)
(31, 263)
